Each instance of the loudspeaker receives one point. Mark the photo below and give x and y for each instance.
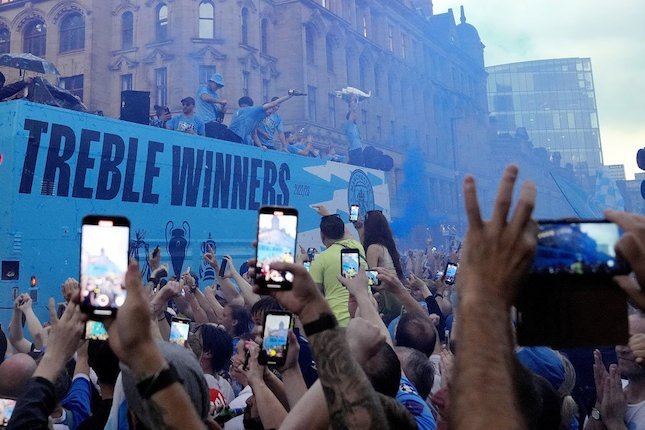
(135, 106)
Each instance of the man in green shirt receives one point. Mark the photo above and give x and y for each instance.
(326, 266)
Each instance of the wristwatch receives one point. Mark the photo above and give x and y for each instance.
(325, 322)
(595, 414)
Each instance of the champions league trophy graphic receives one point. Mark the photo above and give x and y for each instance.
(137, 245)
(177, 241)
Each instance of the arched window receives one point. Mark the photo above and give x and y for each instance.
(264, 36)
(329, 51)
(362, 73)
(127, 30)
(72, 32)
(5, 40)
(162, 23)
(245, 26)
(35, 38)
(309, 45)
(206, 20)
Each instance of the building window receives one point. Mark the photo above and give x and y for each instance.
(379, 127)
(348, 64)
(403, 47)
(331, 101)
(362, 73)
(265, 90)
(162, 24)
(311, 96)
(364, 122)
(73, 84)
(245, 26)
(390, 37)
(390, 87)
(325, 3)
(36, 38)
(245, 82)
(72, 32)
(309, 45)
(206, 20)
(127, 30)
(364, 26)
(329, 50)
(126, 82)
(161, 86)
(205, 72)
(264, 36)
(5, 40)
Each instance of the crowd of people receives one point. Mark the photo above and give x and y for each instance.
(259, 126)
(410, 352)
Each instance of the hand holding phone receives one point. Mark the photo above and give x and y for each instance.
(104, 262)
(353, 213)
(372, 278)
(450, 273)
(349, 262)
(179, 328)
(277, 239)
(275, 340)
(222, 267)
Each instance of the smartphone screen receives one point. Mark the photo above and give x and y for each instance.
(222, 267)
(372, 278)
(575, 248)
(349, 262)
(179, 331)
(451, 273)
(95, 330)
(277, 237)
(104, 262)
(6, 410)
(307, 265)
(275, 338)
(353, 213)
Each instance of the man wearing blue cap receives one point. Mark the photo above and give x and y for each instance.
(210, 107)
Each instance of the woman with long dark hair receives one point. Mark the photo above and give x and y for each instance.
(380, 251)
(379, 245)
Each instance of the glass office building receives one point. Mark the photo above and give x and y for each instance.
(555, 101)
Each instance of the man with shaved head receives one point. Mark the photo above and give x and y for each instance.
(15, 371)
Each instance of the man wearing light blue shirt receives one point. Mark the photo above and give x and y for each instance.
(247, 117)
(264, 135)
(210, 107)
(353, 138)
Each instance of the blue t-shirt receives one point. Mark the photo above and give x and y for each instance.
(267, 129)
(353, 136)
(206, 111)
(296, 147)
(410, 398)
(185, 123)
(245, 120)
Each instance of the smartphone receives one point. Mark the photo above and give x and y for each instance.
(353, 213)
(222, 267)
(277, 238)
(307, 265)
(578, 248)
(450, 273)
(95, 330)
(275, 339)
(349, 262)
(6, 410)
(372, 278)
(179, 328)
(104, 262)
(155, 252)
(569, 298)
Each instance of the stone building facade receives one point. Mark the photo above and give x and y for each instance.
(426, 72)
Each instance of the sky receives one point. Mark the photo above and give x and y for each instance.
(610, 33)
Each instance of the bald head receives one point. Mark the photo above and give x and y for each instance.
(15, 371)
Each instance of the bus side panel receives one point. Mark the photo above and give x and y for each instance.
(180, 192)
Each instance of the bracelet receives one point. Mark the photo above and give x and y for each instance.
(157, 382)
(325, 322)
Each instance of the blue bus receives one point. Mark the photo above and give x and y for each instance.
(181, 193)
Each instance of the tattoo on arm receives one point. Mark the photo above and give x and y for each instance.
(351, 399)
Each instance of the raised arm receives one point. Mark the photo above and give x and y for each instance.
(16, 336)
(485, 394)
